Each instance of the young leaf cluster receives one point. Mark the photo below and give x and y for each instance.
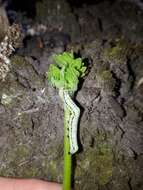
(66, 71)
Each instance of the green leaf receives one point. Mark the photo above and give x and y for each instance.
(66, 71)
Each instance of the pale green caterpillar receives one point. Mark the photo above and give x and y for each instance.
(64, 75)
(72, 120)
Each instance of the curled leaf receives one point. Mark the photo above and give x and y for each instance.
(66, 71)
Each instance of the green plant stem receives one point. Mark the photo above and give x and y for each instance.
(67, 155)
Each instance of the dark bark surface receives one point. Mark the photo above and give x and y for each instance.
(109, 37)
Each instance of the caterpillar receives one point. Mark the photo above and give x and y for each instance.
(72, 120)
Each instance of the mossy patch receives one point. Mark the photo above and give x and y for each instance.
(23, 162)
(103, 158)
(117, 52)
(105, 80)
(103, 164)
(50, 168)
(96, 163)
(19, 155)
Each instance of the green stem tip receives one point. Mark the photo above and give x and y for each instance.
(67, 155)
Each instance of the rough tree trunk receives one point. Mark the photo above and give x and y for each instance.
(111, 99)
